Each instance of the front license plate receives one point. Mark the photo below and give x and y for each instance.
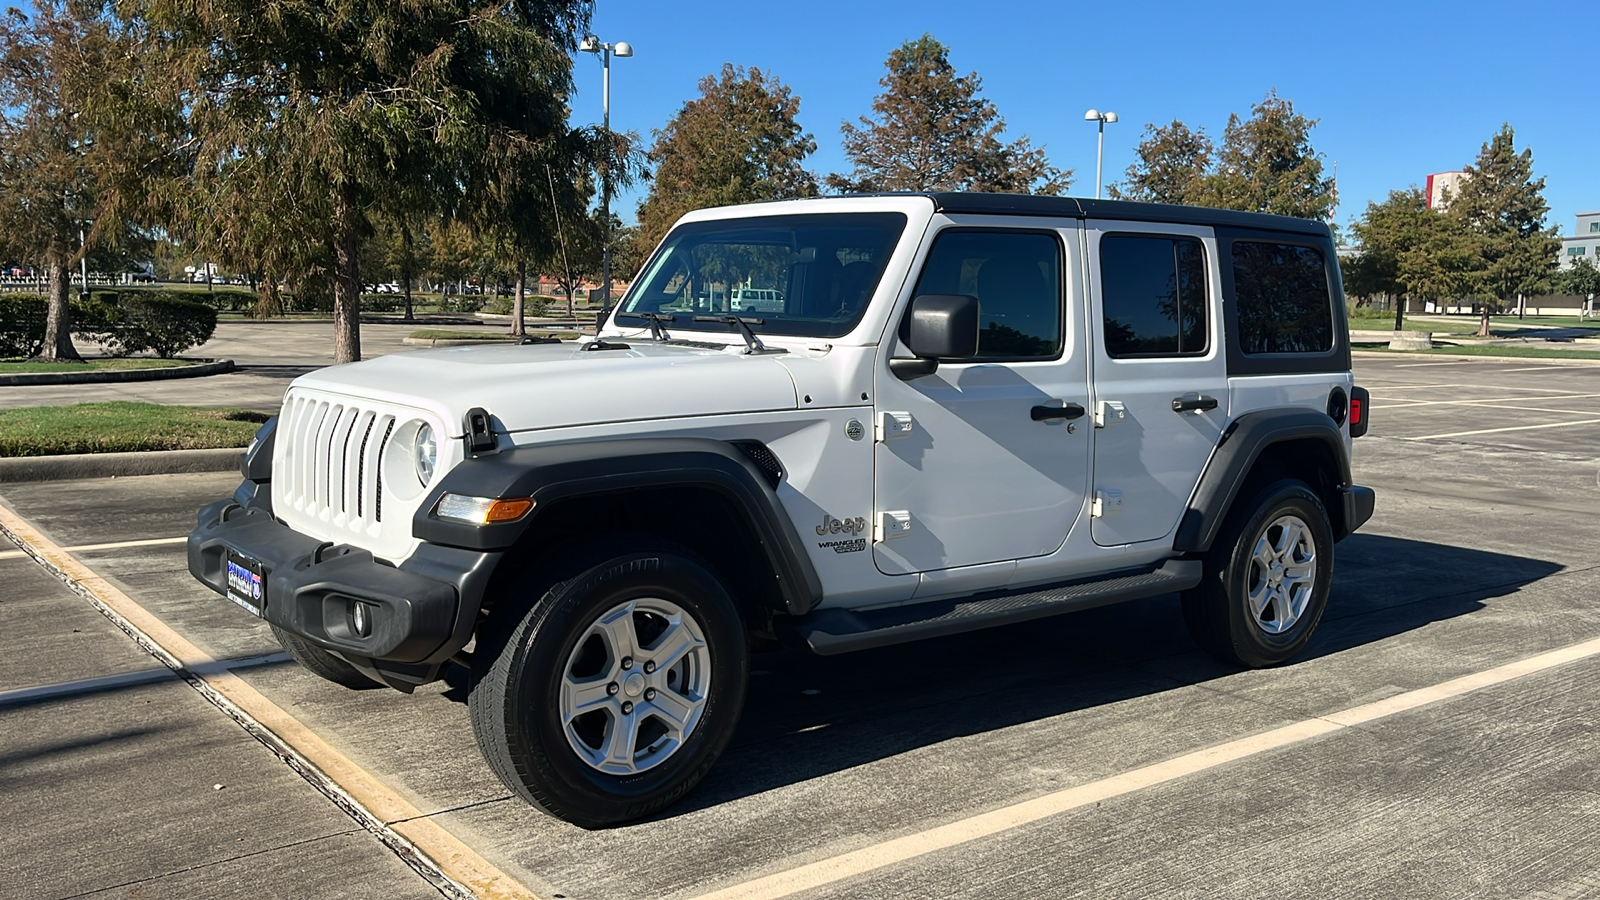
(247, 582)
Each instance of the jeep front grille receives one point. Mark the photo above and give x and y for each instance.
(329, 465)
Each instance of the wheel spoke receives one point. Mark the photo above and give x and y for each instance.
(1259, 597)
(1288, 538)
(1281, 609)
(1264, 554)
(619, 742)
(617, 629)
(581, 697)
(1298, 571)
(671, 646)
(674, 712)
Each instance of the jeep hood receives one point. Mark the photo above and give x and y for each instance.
(535, 386)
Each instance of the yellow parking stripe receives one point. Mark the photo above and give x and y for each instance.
(383, 811)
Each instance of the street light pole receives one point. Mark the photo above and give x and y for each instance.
(1095, 115)
(592, 44)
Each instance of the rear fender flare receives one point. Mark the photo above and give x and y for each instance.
(1242, 444)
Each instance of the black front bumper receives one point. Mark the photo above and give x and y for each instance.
(419, 613)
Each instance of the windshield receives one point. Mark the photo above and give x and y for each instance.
(809, 275)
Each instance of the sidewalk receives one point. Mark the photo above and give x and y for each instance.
(131, 784)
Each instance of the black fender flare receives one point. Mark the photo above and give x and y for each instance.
(554, 472)
(1242, 444)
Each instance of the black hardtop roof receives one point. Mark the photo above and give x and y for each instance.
(978, 203)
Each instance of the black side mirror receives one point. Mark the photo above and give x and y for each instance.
(938, 326)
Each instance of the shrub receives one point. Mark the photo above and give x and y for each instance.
(162, 322)
(381, 303)
(99, 319)
(500, 306)
(22, 321)
(230, 299)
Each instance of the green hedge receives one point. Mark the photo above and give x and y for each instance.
(22, 321)
(162, 322)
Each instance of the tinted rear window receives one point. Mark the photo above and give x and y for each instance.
(1283, 298)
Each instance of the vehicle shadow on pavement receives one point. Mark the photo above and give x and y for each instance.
(806, 717)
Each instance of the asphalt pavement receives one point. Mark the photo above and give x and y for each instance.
(1399, 757)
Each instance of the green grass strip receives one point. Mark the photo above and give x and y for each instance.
(1510, 352)
(21, 366)
(122, 426)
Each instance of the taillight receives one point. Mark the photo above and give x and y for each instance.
(1358, 411)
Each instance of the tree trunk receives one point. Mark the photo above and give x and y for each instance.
(405, 269)
(58, 325)
(1399, 312)
(1483, 322)
(346, 277)
(517, 307)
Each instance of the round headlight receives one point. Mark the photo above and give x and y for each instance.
(425, 453)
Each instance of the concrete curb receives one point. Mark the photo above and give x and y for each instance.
(116, 465)
(1448, 357)
(452, 342)
(214, 367)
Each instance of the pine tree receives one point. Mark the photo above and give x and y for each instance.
(932, 131)
(1502, 205)
(1172, 165)
(738, 142)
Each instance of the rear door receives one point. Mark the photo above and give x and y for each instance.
(1160, 373)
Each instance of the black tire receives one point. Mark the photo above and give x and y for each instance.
(521, 674)
(321, 662)
(1219, 611)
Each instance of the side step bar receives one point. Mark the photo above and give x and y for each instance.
(831, 631)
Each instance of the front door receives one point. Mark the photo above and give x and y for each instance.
(979, 462)
(1160, 374)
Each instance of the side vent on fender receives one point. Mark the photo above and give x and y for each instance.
(764, 458)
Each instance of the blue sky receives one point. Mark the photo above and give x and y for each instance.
(1402, 89)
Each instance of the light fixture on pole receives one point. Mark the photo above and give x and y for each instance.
(592, 44)
(1095, 115)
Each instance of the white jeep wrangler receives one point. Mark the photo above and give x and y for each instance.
(968, 410)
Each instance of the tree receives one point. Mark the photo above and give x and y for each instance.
(1172, 166)
(738, 142)
(61, 147)
(931, 131)
(1409, 249)
(339, 102)
(1502, 205)
(1581, 278)
(1267, 164)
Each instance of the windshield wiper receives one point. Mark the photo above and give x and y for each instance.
(752, 344)
(655, 319)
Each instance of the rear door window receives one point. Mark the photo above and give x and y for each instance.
(1153, 294)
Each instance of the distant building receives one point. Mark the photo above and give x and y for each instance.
(1584, 243)
(1442, 186)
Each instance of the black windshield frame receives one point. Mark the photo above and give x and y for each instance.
(805, 275)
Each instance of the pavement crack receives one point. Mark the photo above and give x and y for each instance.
(449, 809)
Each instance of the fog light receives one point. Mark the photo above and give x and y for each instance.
(358, 619)
(482, 510)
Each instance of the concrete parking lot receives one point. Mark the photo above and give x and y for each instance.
(1437, 739)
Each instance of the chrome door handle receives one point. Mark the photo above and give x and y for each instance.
(1198, 403)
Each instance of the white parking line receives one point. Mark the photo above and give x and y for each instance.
(116, 545)
(888, 853)
(1451, 434)
(1402, 402)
